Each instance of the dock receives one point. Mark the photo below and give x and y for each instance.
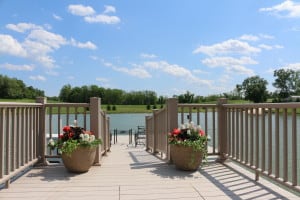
(131, 173)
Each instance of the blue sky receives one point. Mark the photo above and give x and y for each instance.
(169, 46)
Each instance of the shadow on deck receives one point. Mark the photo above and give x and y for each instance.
(132, 173)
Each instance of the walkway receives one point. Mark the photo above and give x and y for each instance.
(129, 173)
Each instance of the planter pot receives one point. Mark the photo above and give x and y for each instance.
(80, 160)
(186, 158)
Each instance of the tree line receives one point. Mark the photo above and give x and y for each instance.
(286, 83)
(12, 88)
(108, 96)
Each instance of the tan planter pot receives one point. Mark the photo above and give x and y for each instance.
(185, 158)
(80, 160)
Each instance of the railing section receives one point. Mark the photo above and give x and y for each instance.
(25, 130)
(264, 138)
(87, 115)
(165, 120)
(19, 138)
(204, 115)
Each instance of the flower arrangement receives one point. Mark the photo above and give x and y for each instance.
(189, 135)
(73, 137)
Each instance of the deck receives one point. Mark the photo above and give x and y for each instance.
(131, 173)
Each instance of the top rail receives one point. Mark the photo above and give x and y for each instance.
(262, 137)
(25, 129)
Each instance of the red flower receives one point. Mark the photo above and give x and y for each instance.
(176, 131)
(60, 136)
(67, 129)
(71, 135)
(201, 133)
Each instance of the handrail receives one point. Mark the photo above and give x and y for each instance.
(262, 137)
(26, 127)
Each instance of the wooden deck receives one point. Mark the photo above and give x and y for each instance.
(130, 173)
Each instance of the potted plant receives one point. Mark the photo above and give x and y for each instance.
(188, 146)
(77, 148)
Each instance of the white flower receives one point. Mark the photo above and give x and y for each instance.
(189, 132)
(81, 136)
(86, 137)
(51, 142)
(92, 138)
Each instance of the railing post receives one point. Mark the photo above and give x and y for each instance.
(95, 123)
(147, 133)
(155, 131)
(41, 145)
(172, 120)
(222, 130)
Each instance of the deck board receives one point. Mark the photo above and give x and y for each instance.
(130, 173)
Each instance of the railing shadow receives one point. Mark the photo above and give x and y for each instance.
(51, 173)
(236, 184)
(228, 180)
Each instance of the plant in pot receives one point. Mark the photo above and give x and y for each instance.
(188, 146)
(77, 148)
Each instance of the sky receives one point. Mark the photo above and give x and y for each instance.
(170, 46)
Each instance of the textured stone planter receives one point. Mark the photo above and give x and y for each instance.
(80, 160)
(185, 158)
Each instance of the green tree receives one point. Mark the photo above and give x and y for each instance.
(188, 97)
(287, 83)
(255, 89)
(65, 92)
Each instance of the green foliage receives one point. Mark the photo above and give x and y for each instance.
(148, 106)
(287, 83)
(12, 88)
(191, 136)
(73, 137)
(255, 89)
(108, 108)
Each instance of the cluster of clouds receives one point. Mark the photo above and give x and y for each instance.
(89, 14)
(40, 42)
(235, 55)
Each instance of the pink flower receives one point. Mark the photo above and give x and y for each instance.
(201, 133)
(176, 131)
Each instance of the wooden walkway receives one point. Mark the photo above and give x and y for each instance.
(130, 173)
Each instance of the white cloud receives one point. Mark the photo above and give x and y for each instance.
(90, 15)
(177, 71)
(57, 17)
(287, 8)
(249, 37)
(17, 67)
(236, 69)
(104, 19)
(137, 72)
(145, 55)
(228, 61)
(22, 27)
(270, 47)
(10, 46)
(81, 10)
(265, 36)
(45, 37)
(227, 47)
(86, 45)
(293, 66)
(232, 64)
(109, 9)
(38, 78)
